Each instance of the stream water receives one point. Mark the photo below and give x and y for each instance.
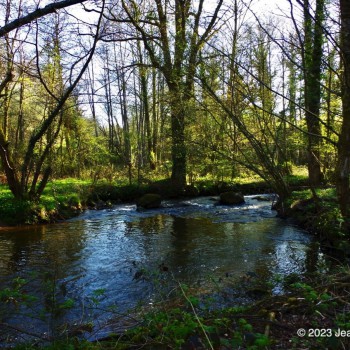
(104, 263)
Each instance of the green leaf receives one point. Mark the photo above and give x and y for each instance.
(67, 304)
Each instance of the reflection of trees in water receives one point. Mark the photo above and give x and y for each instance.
(41, 256)
(18, 246)
(200, 246)
(111, 252)
(148, 239)
(156, 224)
(177, 242)
(181, 243)
(153, 225)
(197, 246)
(322, 258)
(265, 247)
(278, 251)
(42, 247)
(312, 258)
(63, 246)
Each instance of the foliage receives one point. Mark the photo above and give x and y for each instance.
(216, 100)
(321, 215)
(15, 295)
(61, 194)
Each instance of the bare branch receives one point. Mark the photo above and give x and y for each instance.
(40, 12)
(46, 124)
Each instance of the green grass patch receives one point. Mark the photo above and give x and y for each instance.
(64, 198)
(65, 192)
(12, 211)
(58, 194)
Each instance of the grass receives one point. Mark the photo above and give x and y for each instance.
(63, 191)
(57, 195)
(12, 211)
(327, 194)
(64, 198)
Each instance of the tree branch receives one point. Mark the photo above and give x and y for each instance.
(46, 124)
(40, 12)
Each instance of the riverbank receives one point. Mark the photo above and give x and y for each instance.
(320, 216)
(63, 199)
(312, 313)
(66, 198)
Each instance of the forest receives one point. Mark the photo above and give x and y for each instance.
(180, 90)
(102, 101)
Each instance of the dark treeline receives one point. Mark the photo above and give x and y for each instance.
(179, 89)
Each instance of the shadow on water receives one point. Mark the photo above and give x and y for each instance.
(109, 261)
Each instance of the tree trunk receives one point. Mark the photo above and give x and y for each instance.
(8, 166)
(343, 168)
(146, 112)
(155, 119)
(177, 60)
(178, 150)
(312, 65)
(20, 123)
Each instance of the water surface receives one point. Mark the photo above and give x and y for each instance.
(121, 257)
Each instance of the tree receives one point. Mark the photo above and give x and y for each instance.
(177, 58)
(311, 38)
(343, 166)
(254, 118)
(23, 177)
(312, 50)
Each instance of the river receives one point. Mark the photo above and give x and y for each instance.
(102, 264)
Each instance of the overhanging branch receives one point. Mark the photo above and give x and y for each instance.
(40, 12)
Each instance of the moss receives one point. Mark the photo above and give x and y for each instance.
(149, 201)
(321, 216)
